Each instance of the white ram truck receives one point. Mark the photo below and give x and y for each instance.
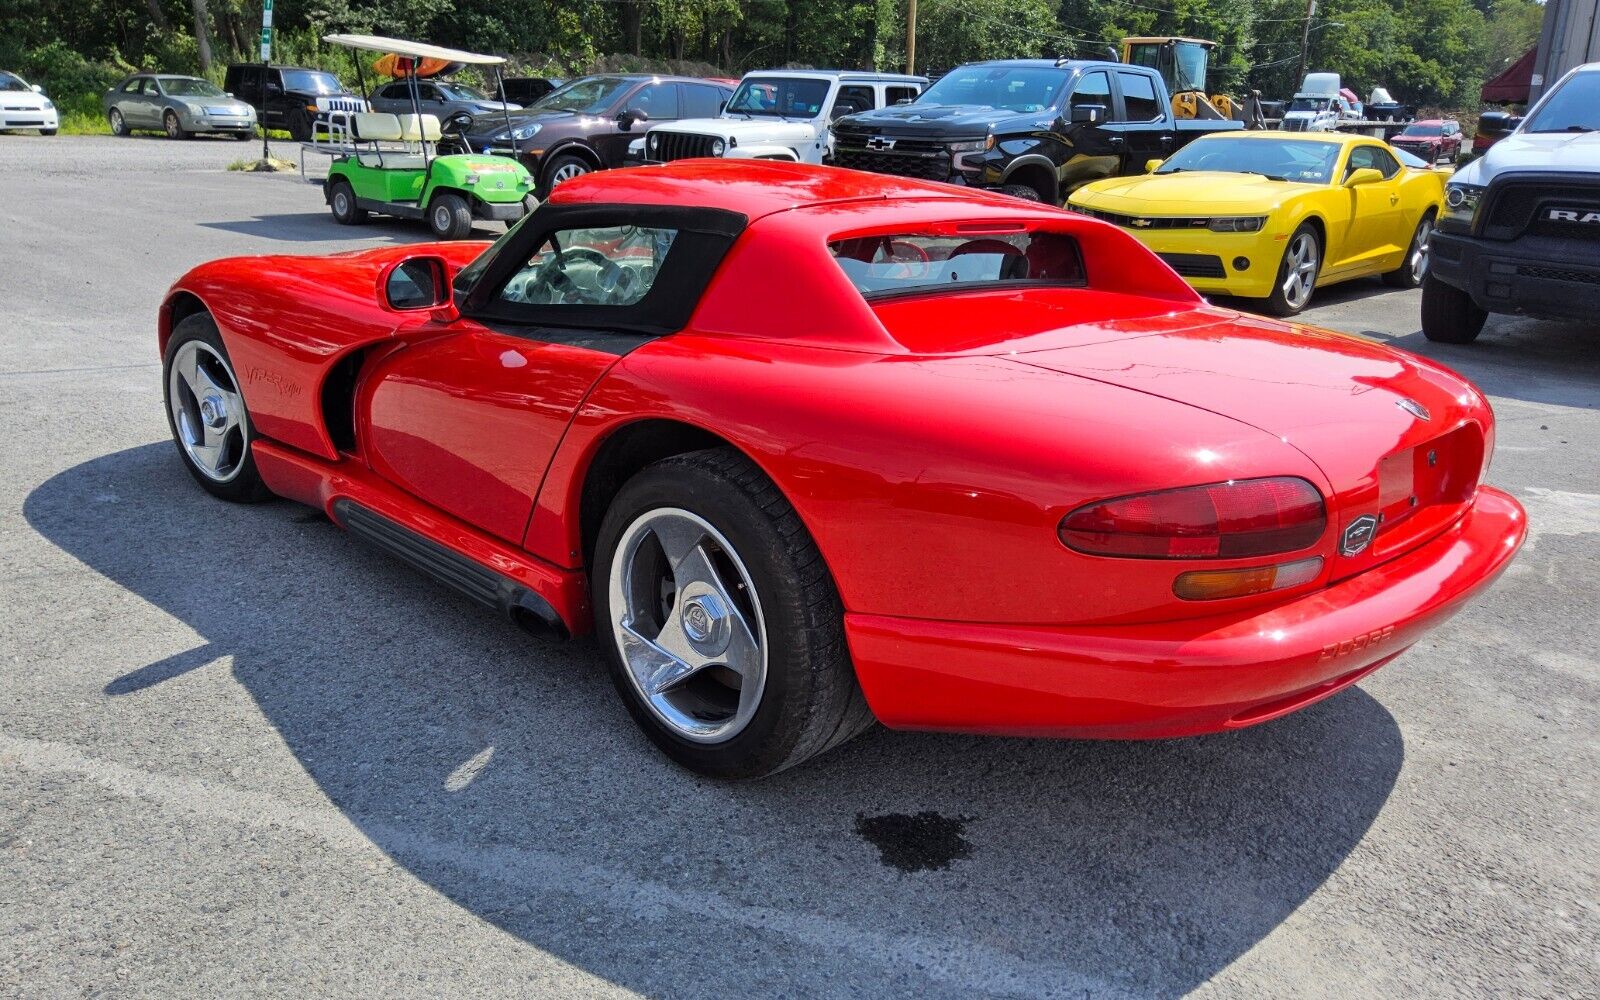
(778, 115)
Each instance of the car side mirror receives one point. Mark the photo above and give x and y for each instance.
(1088, 114)
(631, 117)
(416, 283)
(1151, 166)
(1363, 175)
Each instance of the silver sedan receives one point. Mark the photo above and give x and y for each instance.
(180, 106)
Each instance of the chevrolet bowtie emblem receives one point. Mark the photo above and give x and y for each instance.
(880, 143)
(1141, 223)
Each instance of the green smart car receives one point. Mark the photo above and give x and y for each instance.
(388, 164)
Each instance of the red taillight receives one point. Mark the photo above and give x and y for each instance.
(1247, 517)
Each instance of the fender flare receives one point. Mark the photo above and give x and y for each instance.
(1035, 160)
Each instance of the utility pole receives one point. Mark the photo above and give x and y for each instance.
(1305, 41)
(911, 37)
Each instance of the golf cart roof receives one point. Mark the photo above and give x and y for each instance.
(417, 50)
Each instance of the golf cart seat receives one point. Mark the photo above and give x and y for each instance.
(378, 127)
(381, 127)
(428, 131)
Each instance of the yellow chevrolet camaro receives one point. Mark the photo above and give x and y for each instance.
(1273, 215)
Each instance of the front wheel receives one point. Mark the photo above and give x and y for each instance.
(1415, 265)
(1449, 316)
(1021, 191)
(207, 415)
(48, 131)
(565, 168)
(300, 126)
(174, 127)
(118, 125)
(450, 217)
(1297, 273)
(721, 623)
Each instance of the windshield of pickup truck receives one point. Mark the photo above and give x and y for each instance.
(1310, 104)
(305, 81)
(1574, 107)
(1013, 88)
(781, 96)
(1304, 161)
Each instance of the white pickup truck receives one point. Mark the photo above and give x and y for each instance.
(778, 115)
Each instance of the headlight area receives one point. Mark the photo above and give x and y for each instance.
(968, 153)
(1238, 519)
(518, 134)
(1460, 207)
(1237, 224)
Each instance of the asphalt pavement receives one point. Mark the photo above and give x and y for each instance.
(243, 755)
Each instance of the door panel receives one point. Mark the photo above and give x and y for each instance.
(1376, 217)
(468, 421)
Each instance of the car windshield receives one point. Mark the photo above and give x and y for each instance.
(1310, 104)
(915, 263)
(779, 96)
(1574, 107)
(307, 81)
(10, 81)
(462, 92)
(188, 86)
(591, 95)
(1306, 161)
(1424, 130)
(1013, 88)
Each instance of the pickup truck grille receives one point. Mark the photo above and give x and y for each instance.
(677, 146)
(1518, 207)
(339, 104)
(1195, 265)
(918, 158)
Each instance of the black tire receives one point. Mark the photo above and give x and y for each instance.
(1022, 191)
(246, 485)
(1410, 274)
(342, 202)
(299, 126)
(48, 131)
(119, 124)
(564, 168)
(174, 128)
(242, 136)
(449, 216)
(1279, 302)
(811, 701)
(1449, 316)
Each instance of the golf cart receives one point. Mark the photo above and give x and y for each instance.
(388, 163)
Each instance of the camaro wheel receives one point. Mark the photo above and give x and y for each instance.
(1449, 316)
(450, 217)
(1297, 275)
(720, 619)
(207, 413)
(173, 126)
(564, 168)
(342, 202)
(118, 126)
(1415, 266)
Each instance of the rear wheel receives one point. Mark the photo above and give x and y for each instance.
(1415, 265)
(450, 217)
(1449, 316)
(720, 620)
(207, 415)
(174, 127)
(342, 202)
(118, 125)
(1297, 273)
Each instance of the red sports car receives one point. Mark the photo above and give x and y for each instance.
(808, 448)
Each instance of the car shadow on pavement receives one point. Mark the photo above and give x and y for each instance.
(1537, 361)
(505, 774)
(319, 227)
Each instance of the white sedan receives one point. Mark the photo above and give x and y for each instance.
(24, 106)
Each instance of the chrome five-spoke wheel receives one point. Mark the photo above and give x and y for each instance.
(207, 411)
(687, 622)
(1300, 270)
(1419, 251)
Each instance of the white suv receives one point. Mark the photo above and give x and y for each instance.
(778, 115)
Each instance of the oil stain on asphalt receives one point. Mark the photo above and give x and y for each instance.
(925, 841)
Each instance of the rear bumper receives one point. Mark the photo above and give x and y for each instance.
(1178, 678)
(1537, 275)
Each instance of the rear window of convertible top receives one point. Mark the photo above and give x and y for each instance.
(903, 264)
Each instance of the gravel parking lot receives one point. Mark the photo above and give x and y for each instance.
(240, 754)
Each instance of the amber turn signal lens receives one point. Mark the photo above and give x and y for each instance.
(1216, 584)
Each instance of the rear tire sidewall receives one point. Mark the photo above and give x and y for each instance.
(247, 486)
(765, 743)
(1404, 276)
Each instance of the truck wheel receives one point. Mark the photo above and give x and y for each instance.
(118, 125)
(1414, 266)
(1022, 191)
(1449, 316)
(450, 217)
(720, 620)
(342, 202)
(174, 128)
(300, 126)
(1297, 273)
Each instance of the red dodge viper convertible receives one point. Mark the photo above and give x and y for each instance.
(809, 448)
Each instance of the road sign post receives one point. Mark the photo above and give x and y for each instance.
(266, 63)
